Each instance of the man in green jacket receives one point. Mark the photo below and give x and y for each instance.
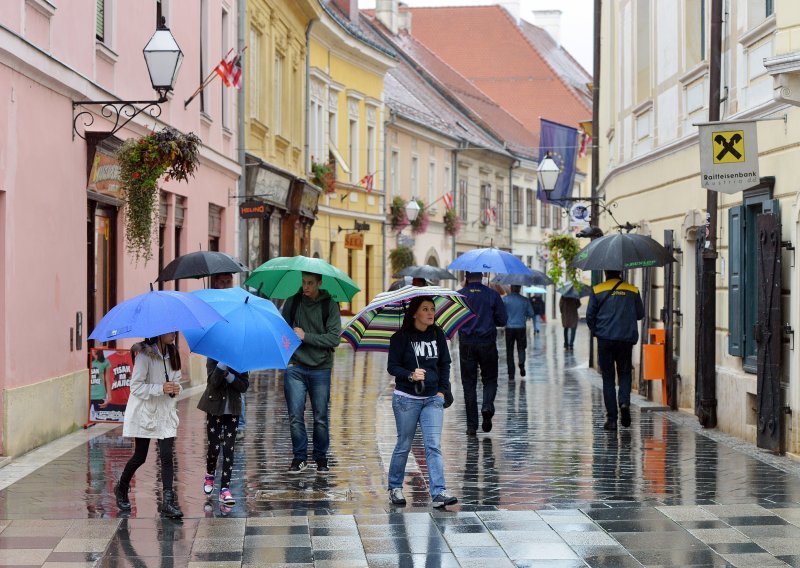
(315, 318)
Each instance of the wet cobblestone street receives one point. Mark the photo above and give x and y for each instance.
(547, 487)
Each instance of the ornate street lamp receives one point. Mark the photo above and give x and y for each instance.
(547, 173)
(412, 210)
(163, 58)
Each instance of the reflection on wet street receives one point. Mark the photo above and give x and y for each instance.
(546, 453)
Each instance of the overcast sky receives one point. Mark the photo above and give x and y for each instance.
(576, 20)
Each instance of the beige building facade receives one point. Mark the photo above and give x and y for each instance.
(655, 80)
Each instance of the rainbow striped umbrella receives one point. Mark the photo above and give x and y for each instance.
(372, 327)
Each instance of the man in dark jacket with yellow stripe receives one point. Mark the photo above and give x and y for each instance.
(614, 311)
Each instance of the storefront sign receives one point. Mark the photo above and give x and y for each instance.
(354, 241)
(728, 156)
(309, 201)
(268, 186)
(104, 177)
(252, 210)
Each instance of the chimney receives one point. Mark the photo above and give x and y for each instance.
(404, 17)
(388, 13)
(550, 21)
(350, 9)
(512, 7)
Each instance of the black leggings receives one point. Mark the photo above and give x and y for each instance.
(221, 432)
(165, 450)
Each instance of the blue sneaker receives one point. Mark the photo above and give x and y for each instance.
(444, 499)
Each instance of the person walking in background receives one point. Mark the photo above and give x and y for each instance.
(539, 310)
(315, 318)
(151, 413)
(614, 309)
(519, 310)
(478, 349)
(568, 307)
(220, 282)
(221, 402)
(419, 361)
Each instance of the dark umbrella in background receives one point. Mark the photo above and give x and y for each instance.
(538, 278)
(406, 281)
(571, 292)
(199, 265)
(430, 273)
(622, 251)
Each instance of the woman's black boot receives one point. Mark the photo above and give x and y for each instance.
(121, 493)
(170, 508)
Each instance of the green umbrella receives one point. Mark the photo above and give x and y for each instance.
(282, 277)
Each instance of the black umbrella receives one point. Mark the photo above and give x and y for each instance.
(427, 272)
(199, 264)
(571, 292)
(538, 278)
(404, 281)
(622, 251)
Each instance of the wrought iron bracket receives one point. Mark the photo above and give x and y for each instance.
(120, 113)
(790, 247)
(789, 332)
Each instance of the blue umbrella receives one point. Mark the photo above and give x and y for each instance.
(489, 260)
(252, 336)
(154, 313)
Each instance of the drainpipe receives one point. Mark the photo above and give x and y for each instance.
(308, 88)
(514, 165)
(242, 185)
(454, 185)
(385, 202)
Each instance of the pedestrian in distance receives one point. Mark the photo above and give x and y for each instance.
(539, 310)
(316, 320)
(519, 311)
(419, 361)
(221, 401)
(478, 349)
(614, 309)
(151, 413)
(220, 282)
(569, 319)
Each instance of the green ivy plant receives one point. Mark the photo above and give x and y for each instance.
(563, 249)
(143, 162)
(400, 258)
(397, 214)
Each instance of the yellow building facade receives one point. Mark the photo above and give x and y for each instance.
(345, 136)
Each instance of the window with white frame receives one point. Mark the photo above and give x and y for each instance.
(414, 177)
(758, 11)
(254, 73)
(545, 216)
(694, 34)
(204, 58)
(431, 182)
(353, 154)
(394, 164)
(224, 39)
(643, 42)
(557, 218)
(371, 145)
(463, 203)
(516, 204)
(448, 182)
(530, 198)
(486, 199)
(277, 94)
(103, 22)
(500, 214)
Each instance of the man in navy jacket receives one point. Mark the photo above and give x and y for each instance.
(478, 348)
(614, 311)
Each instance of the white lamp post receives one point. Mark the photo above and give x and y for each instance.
(547, 173)
(163, 58)
(412, 210)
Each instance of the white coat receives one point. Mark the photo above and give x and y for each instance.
(150, 413)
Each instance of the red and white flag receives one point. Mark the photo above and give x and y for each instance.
(231, 71)
(447, 199)
(586, 140)
(367, 181)
(490, 214)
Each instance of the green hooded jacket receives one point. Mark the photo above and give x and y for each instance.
(316, 351)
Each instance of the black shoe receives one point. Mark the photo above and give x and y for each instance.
(610, 425)
(322, 465)
(511, 377)
(625, 415)
(121, 493)
(298, 466)
(486, 426)
(169, 507)
(396, 497)
(522, 370)
(472, 432)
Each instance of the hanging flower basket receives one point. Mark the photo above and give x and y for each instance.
(563, 250)
(452, 222)
(400, 258)
(420, 224)
(323, 176)
(397, 214)
(143, 162)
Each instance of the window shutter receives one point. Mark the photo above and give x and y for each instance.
(100, 21)
(180, 210)
(735, 281)
(214, 220)
(771, 206)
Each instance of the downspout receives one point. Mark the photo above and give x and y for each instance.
(242, 186)
(385, 203)
(514, 165)
(306, 163)
(454, 184)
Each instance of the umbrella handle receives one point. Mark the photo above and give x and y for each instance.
(166, 375)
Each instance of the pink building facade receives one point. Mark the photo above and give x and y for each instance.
(63, 260)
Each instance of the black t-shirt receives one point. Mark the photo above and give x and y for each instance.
(412, 349)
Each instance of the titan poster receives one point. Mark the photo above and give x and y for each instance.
(109, 384)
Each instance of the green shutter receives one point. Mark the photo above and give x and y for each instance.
(735, 281)
(100, 21)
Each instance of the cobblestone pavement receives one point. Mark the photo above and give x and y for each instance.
(547, 487)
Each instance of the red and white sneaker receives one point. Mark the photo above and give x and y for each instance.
(208, 484)
(226, 498)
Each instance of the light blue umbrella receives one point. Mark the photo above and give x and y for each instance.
(489, 260)
(252, 336)
(534, 290)
(155, 313)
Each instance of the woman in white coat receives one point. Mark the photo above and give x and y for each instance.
(151, 413)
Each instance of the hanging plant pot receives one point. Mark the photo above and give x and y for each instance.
(562, 250)
(143, 162)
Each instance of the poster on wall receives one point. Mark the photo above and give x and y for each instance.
(109, 384)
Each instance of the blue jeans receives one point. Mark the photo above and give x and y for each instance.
(428, 413)
(317, 383)
(614, 358)
(537, 323)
